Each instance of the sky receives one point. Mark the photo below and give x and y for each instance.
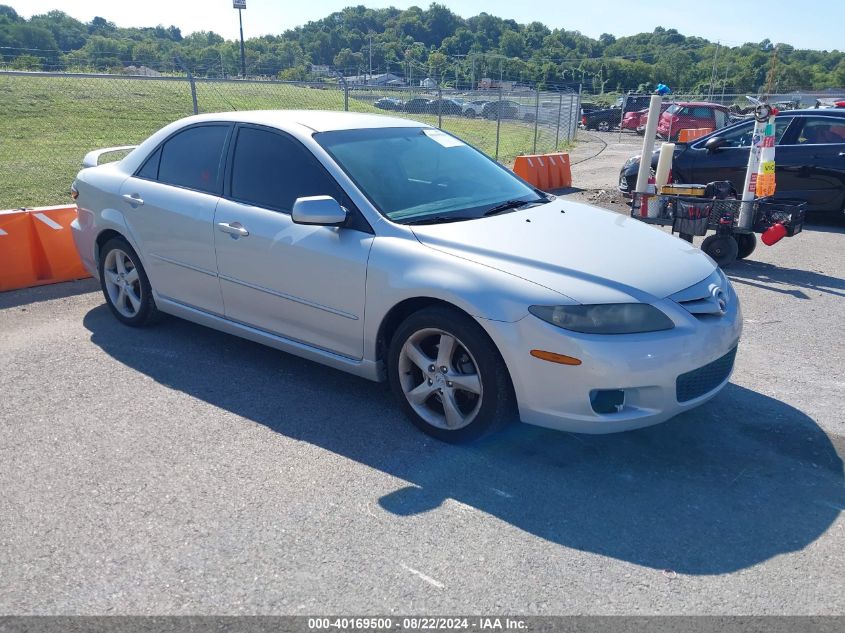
(815, 25)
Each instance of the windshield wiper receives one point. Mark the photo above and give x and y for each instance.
(441, 219)
(507, 205)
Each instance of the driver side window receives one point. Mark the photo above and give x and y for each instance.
(742, 135)
(271, 171)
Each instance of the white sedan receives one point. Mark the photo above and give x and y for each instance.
(394, 251)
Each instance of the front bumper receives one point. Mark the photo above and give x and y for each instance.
(646, 366)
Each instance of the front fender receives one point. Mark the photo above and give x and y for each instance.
(401, 269)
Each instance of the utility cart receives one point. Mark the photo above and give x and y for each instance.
(735, 222)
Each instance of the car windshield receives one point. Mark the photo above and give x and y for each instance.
(413, 174)
(672, 109)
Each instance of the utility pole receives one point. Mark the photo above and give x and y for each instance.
(771, 82)
(370, 76)
(240, 5)
(713, 74)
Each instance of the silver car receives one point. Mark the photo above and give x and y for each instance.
(393, 250)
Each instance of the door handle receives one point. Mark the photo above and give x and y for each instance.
(133, 198)
(842, 153)
(235, 229)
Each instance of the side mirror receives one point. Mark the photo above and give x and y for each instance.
(318, 210)
(713, 144)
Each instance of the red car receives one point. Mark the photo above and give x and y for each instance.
(691, 115)
(636, 120)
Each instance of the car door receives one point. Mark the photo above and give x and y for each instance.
(169, 206)
(810, 165)
(305, 283)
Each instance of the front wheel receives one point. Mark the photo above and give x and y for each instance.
(449, 377)
(722, 248)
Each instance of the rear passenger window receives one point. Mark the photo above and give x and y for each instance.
(193, 158)
(271, 170)
(150, 168)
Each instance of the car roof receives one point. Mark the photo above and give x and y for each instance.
(814, 112)
(316, 120)
(699, 104)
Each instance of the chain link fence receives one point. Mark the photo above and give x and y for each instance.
(52, 119)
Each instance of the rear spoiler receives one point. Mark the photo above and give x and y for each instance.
(93, 158)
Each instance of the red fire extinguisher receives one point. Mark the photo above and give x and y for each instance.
(773, 234)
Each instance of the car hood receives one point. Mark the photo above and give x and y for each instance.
(585, 253)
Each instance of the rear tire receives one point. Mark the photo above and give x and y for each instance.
(722, 248)
(449, 377)
(746, 243)
(125, 285)
(603, 126)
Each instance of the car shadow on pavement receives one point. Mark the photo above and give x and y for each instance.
(729, 485)
(784, 280)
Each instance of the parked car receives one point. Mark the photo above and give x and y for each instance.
(472, 109)
(445, 107)
(479, 298)
(417, 105)
(610, 118)
(389, 103)
(809, 159)
(503, 109)
(636, 121)
(691, 115)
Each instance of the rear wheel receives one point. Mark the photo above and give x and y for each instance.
(746, 243)
(449, 377)
(722, 248)
(125, 284)
(603, 126)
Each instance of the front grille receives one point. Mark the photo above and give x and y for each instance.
(698, 382)
(706, 298)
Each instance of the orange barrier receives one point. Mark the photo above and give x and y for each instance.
(559, 163)
(18, 261)
(544, 171)
(690, 134)
(36, 247)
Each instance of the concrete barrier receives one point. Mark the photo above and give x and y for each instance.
(36, 247)
(690, 134)
(544, 171)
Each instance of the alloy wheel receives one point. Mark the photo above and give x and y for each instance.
(440, 379)
(122, 282)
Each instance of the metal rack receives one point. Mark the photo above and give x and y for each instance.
(691, 216)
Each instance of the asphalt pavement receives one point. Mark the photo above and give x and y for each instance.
(178, 470)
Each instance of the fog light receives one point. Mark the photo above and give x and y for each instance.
(607, 400)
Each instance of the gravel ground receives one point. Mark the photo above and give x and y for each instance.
(177, 470)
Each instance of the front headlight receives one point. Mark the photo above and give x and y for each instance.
(609, 318)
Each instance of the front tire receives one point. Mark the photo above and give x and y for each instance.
(722, 248)
(449, 377)
(125, 285)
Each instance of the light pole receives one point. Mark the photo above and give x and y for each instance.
(240, 5)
